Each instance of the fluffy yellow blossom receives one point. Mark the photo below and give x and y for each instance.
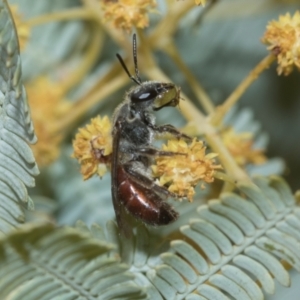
(240, 145)
(47, 106)
(126, 14)
(283, 38)
(181, 173)
(93, 147)
(22, 29)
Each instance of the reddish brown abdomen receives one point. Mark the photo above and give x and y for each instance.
(142, 202)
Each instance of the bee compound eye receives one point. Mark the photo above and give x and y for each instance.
(143, 95)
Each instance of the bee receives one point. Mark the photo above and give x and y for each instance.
(134, 130)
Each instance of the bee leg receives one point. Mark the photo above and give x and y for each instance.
(155, 152)
(171, 130)
(148, 182)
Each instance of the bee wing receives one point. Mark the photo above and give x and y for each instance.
(120, 212)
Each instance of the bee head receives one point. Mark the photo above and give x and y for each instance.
(155, 95)
(150, 94)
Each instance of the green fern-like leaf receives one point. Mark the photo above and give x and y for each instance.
(17, 164)
(233, 244)
(43, 262)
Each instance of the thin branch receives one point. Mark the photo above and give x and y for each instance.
(81, 107)
(221, 111)
(169, 23)
(66, 15)
(224, 177)
(89, 58)
(204, 11)
(198, 90)
(191, 113)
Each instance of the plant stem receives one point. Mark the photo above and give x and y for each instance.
(224, 177)
(70, 14)
(204, 11)
(191, 113)
(169, 23)
(200, 93)
(116, 34)
(88, 59)
(227, 187)
(218, 115)
(81, 107)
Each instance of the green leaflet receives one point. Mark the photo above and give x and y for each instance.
(234, 243)
(228, 249)
(42, 262)
(17, 164)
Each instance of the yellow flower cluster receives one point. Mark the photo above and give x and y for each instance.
(126, 14)
(240, 145)
(47, 105)
(181, 173)
(22, 29)
(93, 147)
(283, 38)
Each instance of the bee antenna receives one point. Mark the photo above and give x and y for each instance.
(126, 70)
(134, 50)
(137, 78)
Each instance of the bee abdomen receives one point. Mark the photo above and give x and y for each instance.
(142, 202)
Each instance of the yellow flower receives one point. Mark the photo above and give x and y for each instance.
(47, 106)
(283, 38)
(126, 14)
(240, 145)
(93, 147)
(181, 173)
(23, 30)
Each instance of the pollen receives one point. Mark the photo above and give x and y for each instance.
(240, 145)
(182, 172)
(47, 105)
(23, 29)
(93, 147)
(126, 14)
(283, 40)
